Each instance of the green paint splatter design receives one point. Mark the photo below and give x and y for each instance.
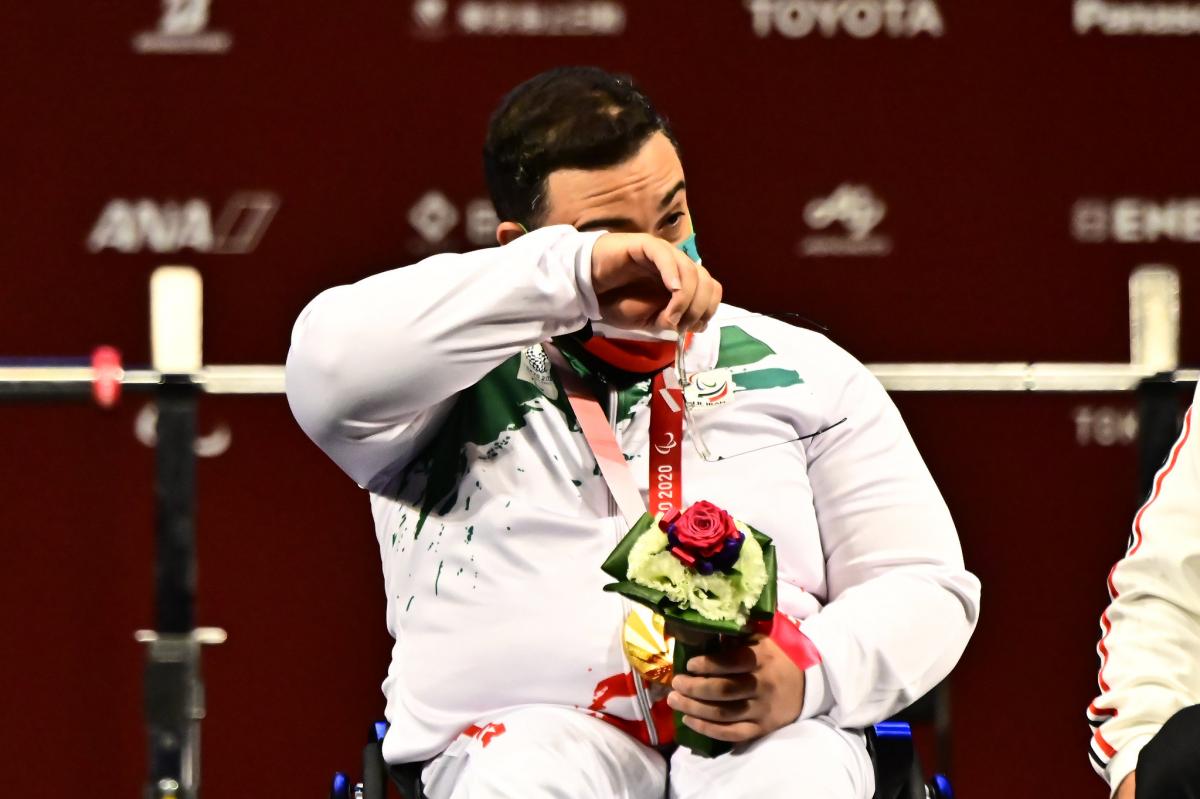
(632, 400)
(766, 378)
(486, 415)
(739, 348)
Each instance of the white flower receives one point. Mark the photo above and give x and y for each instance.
(717, 596)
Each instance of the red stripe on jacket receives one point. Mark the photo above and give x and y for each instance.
(1105, 622)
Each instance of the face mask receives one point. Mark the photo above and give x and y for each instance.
(640, 351)
(688, 245)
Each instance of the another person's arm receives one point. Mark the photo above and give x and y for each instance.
(1151, 631)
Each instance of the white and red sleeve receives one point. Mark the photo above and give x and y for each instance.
(1150, 633)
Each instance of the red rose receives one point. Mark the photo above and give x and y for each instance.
(703, 529)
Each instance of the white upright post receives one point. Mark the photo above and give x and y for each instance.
(1154, 318)
(176, 320)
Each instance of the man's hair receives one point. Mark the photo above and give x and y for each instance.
(565, 118)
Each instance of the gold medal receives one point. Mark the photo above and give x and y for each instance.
(647, 647)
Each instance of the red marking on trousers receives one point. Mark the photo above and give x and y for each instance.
(622, 686)
(485, 734)
(615, 687)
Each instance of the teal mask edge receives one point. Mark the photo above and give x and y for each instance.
(688, 245)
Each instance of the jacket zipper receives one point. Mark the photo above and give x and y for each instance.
(639, 687)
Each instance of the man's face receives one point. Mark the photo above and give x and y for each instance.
(646, 194)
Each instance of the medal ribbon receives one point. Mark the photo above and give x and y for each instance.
(666, 444)
(666, 474)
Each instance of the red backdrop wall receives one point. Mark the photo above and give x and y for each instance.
(1019, 159)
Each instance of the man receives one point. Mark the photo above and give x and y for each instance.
(432, 387)
(1146, 720)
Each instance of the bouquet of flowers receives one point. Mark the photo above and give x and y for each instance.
(708, 575)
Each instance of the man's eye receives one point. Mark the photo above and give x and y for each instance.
(673, 219)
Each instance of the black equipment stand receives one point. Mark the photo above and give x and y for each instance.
(174, 690)
(1160, 403)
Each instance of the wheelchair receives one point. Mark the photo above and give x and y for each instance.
(898, 772)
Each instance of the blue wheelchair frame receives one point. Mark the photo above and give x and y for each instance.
(890, 743)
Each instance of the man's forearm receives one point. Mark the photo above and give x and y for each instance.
(372, 364)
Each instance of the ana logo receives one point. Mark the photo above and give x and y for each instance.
(665, 449)
(1136, 220)
(1136, 19)
(181, 29)
(522, 17)
(858, 211)
(714, 387)
(859, 19)
(434, 216)
(131, 226)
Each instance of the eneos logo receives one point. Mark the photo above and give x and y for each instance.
(1136, 220)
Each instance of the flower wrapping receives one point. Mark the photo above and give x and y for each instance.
(710, 577)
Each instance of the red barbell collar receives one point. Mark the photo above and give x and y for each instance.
(106, 376)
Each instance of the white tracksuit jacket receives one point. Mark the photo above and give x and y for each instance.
(428, 386)
(1150, 644)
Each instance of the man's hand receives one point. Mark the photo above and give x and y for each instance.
(1128, 787)
(644, 282)
(739, 695)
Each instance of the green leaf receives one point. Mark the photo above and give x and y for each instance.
(765, 607)
(684, 735)
(691, 618)
(617, 564)
(638, 593)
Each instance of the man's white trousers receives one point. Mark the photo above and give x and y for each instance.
(549, 752)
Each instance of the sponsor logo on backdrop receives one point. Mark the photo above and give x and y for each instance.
(1104, 426)
(133, 226)
(435, 218)
(1136, 220)
(858, 19)
(430, 15)
(215, 444)
(437, 18)
(1136, 19)
(849, 215)
(183, 28)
